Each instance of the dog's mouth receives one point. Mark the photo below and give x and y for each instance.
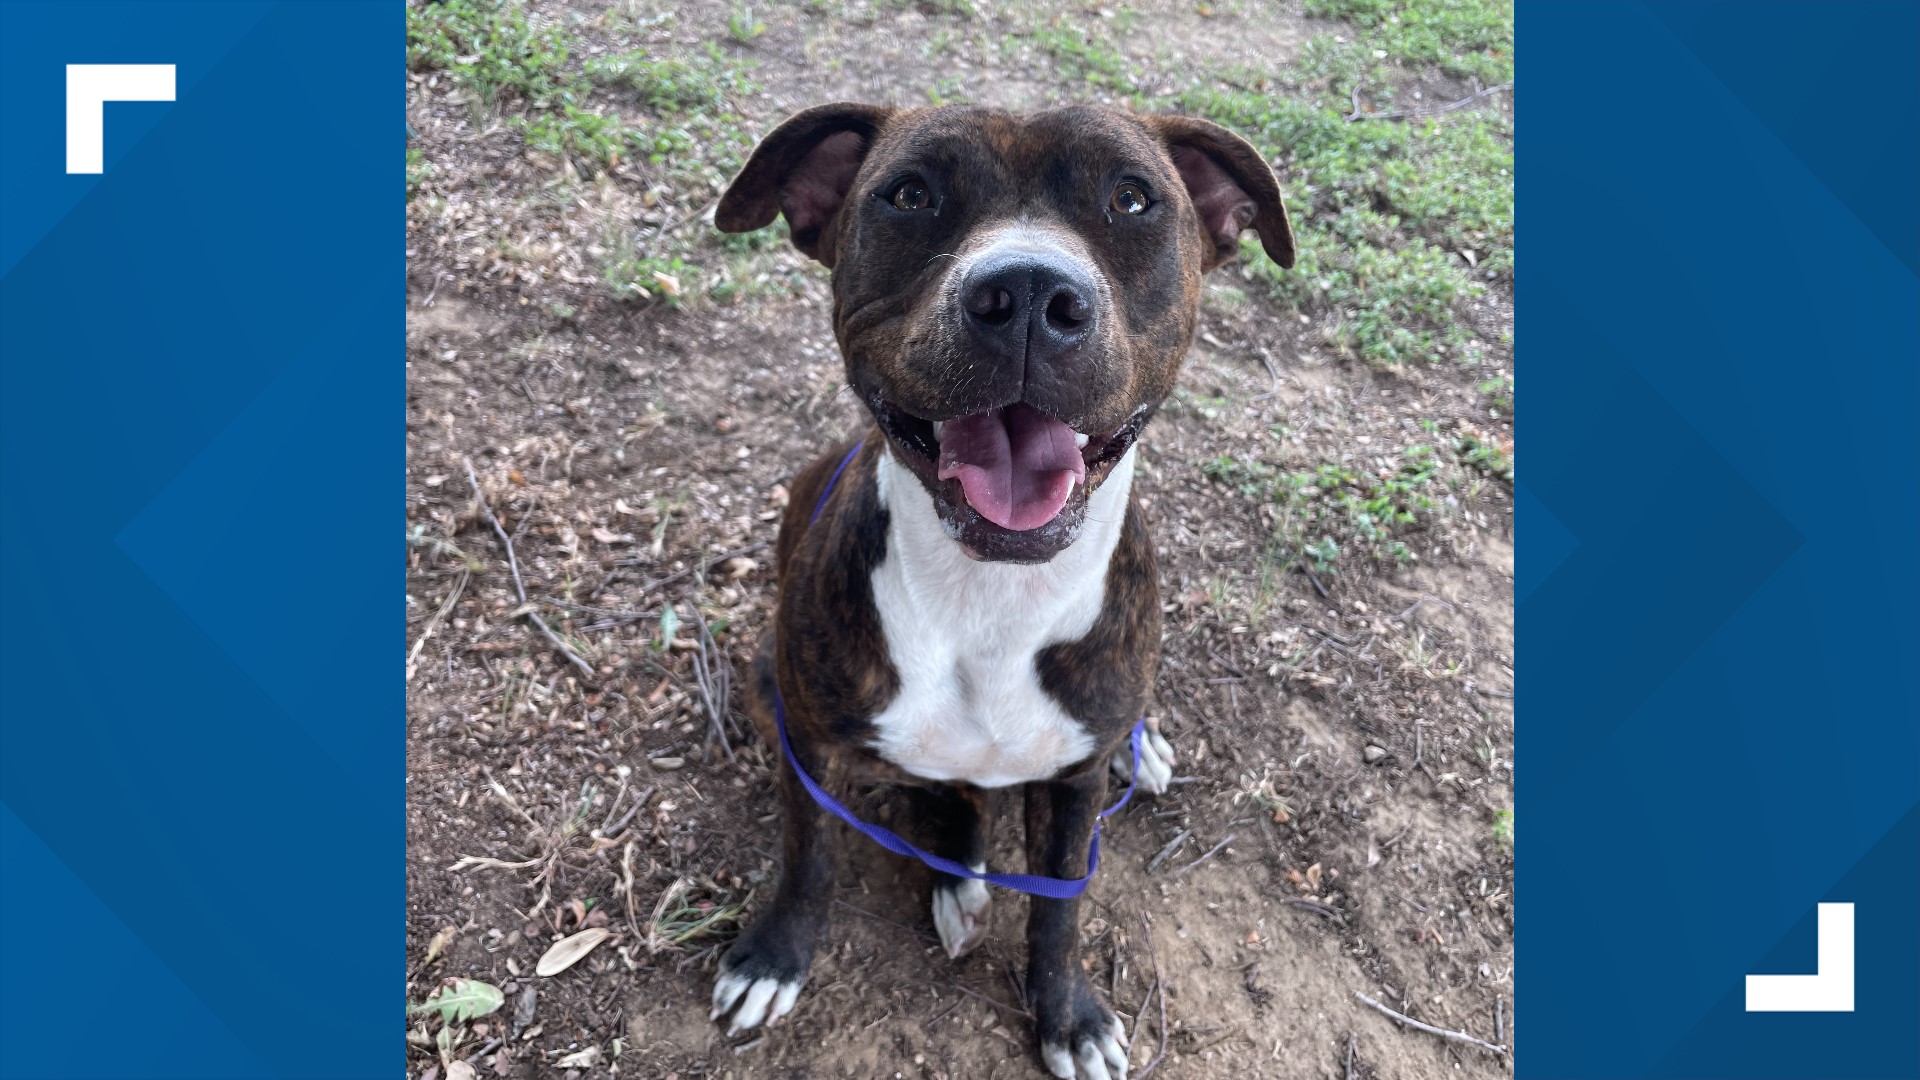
(1016, 467)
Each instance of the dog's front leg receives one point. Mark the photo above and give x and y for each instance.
(767, 965)
(1079, 1037)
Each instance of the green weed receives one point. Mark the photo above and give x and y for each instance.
(1331, 510)
(490, 49)
(1461, 37)
(1473, 449)
(743, 27)
(703, 80)
(581, 135)
(418, 169)
(1080, 56)
(1499, 391)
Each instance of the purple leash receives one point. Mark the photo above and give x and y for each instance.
(1033, 884)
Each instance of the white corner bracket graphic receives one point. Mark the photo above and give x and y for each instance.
(89, 88)
(1829, 989)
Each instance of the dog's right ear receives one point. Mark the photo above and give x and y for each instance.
(803, 169)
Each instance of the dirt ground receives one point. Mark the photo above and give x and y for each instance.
(1345, 738)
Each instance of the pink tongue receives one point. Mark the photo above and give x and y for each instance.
(1017, 465)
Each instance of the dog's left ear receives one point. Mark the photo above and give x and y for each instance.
(803, 169)
(1231, 187)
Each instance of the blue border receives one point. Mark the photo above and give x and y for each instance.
(201, 758)
(1719, 563)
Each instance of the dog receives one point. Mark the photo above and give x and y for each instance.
(968, 599)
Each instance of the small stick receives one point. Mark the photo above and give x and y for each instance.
(1434, 110)
(1211, 852)
(1349, 1055)
(1317, 908)
(1140, 1013)
(1500, 1019)
(1162, 1052)
(1167, 852)
(519, 587)
(1266, 358)
(1409, 1021)
(990, 1001)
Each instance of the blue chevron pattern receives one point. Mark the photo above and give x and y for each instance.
(202, 767)
(1719, 657)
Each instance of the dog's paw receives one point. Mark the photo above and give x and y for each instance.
(760, 979)
(1156, 761)
(960, 912)
(1091, 1045)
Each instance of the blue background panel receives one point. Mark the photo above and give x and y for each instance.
(201, 761)
(1721, 533)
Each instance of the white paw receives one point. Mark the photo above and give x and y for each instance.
(762, 1001)
(959, 913)
(1101, 1057)
(1156, 761)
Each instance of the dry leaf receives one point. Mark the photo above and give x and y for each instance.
(438, 945)
(460, 1070)
(667, 282)
(581, 1059)
(1313, 877)
(607, 536)
(514, 475)
(568, 950)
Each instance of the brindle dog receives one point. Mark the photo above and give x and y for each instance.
(973, 604)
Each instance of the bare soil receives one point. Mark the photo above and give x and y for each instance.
(1347, 737)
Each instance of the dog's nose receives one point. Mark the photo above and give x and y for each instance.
(1027, 306)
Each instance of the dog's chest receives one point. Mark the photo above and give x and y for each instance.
(964, 637)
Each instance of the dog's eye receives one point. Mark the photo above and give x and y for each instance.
(911, 195)
(1129, 199)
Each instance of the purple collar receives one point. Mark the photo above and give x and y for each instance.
(1034, 884)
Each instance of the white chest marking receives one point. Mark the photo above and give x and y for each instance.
(963, 636)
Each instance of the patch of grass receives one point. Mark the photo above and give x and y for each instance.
(418, 169)
(743, 27)
(629, 275)
(1393, 220)
(1499, 391)
(1081, 56)
(581, 136)
(490, 49)
(1478, 451)
(702, 80)
(1333, 510)
(1503, 828)
(1391, 303)
(1461, 37)
(1246, 477)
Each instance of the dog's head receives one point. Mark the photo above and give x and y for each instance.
(1013, 294)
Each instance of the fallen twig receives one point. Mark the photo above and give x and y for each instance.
(1349, 1055)
(1211, 852)
(1316, 907)
(1167, 852)
(519, 587)
(1157, 981)
(439, 616)
(990, 1001)
(713, 677)
(1457, 1036)
(1431, 110)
